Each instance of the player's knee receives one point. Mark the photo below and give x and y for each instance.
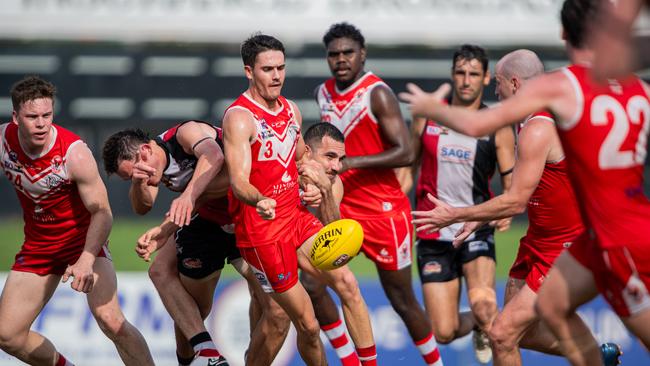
(500, 338)
(484, 309)
(347, 288)
(111, 322)
(445, 336)
(309, 328)
(402, 302)
(444, 331)
(159, 274)
(10, 342)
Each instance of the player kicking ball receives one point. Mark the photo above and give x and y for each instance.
(324, 153)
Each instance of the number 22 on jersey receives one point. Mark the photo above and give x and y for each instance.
(636, 112)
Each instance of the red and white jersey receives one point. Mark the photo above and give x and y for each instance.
(273, 171)
(553, 212)
(605, 143)
(53, 211)
(368, 192)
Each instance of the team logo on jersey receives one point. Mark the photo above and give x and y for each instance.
(52, 181)
(279, 124)
(56, 163)
(456, 154)
(12, 164)
(384, 256)
(282, 278)
(436, 130)
(327, 107)
(286, 178)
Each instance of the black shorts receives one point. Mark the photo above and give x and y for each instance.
(439, 261)
(203, 247)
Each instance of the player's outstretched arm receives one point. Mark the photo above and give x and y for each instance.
(551, 91)
(535, 138)
(238, 132)
(385, 108)
(198, 139)
(83, 171)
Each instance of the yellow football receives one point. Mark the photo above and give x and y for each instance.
(336, 244)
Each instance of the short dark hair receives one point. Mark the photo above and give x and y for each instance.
(315, 133)
(344, 30)
(30, 88)
(576, 15)
(121, 146)
(471, 52)
(256, 44)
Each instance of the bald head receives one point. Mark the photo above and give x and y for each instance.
(514, 69)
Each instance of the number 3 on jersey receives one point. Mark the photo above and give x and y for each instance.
(637, 112)
(268, 149)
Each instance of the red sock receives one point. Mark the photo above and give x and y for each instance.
(62, 361)
(368, 356)
(429, 350)
(335, 332)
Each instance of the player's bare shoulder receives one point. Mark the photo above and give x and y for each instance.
(80, 162)
(238, 120)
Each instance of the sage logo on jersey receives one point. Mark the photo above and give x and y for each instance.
(456, 154)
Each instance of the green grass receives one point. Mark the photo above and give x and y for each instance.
(126, 231)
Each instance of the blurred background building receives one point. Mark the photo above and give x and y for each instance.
(151, 63)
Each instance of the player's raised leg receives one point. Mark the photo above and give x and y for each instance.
(23, 297)
(355, 311)
(104, 306)
(568, 286)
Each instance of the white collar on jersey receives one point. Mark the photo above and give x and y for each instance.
(354, 85)
(273, 113)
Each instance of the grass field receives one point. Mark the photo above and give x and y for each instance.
(126, 231)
